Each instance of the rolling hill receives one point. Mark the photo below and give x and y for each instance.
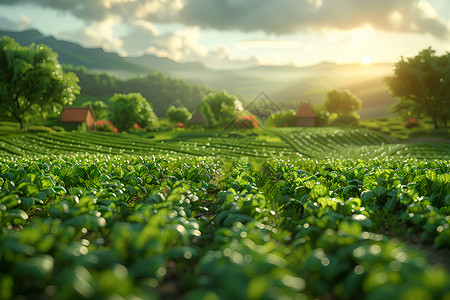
(288, 85)
(71, 53)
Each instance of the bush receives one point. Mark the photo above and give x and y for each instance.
(39, 129)
(412, 123)
(282, 119)
(58, 128)
(346, 119)
(247, 121)
(105, 125)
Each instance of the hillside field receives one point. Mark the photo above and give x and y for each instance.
(282, 213)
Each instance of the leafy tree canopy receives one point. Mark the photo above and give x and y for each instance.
(178, 114)
(220, 108)
(128, 109)
(422, 86)
(100, 108)
(32, 81)
(342, 103)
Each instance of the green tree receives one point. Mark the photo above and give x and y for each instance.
(282, 119)
(422, 86)
(128, 109)
(342, 103)
(178, 114)
(32, 81)
(100, 108)
(220, 108)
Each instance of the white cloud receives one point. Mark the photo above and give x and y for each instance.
(165, 8)
(269, 16)
(396, 19)
(110, 3)
(24, 22)
(427, 9)
(147, 26)
(293, 16)
(353, 37)
(183, 45)
(102, 33)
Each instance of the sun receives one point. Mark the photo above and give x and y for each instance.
(366, 60)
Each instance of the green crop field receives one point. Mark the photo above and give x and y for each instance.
(286, 213)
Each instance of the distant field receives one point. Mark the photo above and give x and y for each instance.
(315, 143)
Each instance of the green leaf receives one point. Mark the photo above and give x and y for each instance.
(147, 267)
(319, 190)
(43, 182)
(27, 189)
(10, 201)
(89, 222)
(234, 218)
(379, 190)
(367, 196)
(36, 268)
(26, 203)
(17, 216)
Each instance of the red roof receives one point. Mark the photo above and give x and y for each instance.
(75, 115)
(305, 111)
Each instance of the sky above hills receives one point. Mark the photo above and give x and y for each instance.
(237, 33)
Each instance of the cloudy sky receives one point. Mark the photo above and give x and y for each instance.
(227, 33)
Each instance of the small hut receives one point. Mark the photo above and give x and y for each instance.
(306, 117)
(198, 118)
(77, 116)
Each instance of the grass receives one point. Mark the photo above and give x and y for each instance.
(13, 128)
(396, 129)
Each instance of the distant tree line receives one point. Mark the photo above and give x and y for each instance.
(161, 91)
(339, 108)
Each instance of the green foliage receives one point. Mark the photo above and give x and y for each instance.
(220, 108)
(421, 83)
(128, 109)
(345, 119)
(39, 129)
(99, 107)
(101, 226)
(282, 119)
(322, 114)
(397, 128)
(342, 103)
(178, 114)
(32, 81)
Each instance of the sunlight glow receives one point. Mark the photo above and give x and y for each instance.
(366, 59)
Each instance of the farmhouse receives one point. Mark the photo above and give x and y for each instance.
(77, 116)
(198, 118)
(306, 117)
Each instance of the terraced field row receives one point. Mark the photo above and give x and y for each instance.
(314, 143)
